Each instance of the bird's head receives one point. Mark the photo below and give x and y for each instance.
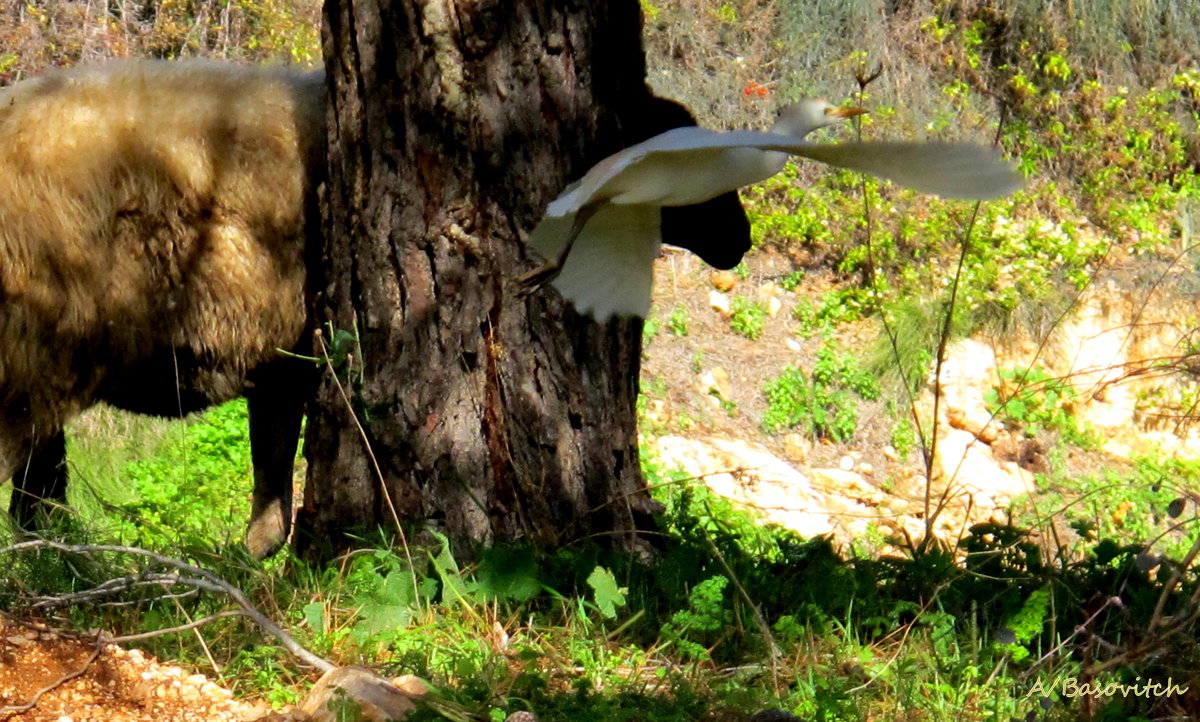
(802, 117)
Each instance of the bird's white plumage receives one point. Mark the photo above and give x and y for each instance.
(950, 170)
(691, 165)
(681, 167)
(611, 267)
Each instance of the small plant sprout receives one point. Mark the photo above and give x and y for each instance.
(678, 321)
(748, 318)
(608, 224)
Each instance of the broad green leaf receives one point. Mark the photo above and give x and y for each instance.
(608, 595)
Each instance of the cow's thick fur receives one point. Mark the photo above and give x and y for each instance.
(152, 241)
(153, 219)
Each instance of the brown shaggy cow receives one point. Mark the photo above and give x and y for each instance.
(152, 242)
(153, 219)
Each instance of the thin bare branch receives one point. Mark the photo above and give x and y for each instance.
(181, 628)
(195, 577)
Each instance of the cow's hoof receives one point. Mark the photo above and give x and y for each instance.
(266, 533)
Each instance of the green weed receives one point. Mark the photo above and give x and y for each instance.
(822, 402)
(693, 629)
(747, 318)
(650, 327)
(792, 281)
(1034, 401)
(836, 308)
(678, 321)
(1146, 504)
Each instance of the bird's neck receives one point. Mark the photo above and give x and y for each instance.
(794, 127)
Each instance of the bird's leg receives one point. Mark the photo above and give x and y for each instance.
(548, 271)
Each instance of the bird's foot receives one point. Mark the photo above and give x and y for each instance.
(530, 282)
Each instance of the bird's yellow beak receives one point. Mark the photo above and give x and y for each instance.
(842, 112)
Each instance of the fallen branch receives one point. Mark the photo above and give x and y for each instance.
(171, 630)
(192, 576)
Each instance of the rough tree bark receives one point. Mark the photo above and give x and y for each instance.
(491, 415)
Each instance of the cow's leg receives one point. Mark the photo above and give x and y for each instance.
(39, 480)
(276, 405)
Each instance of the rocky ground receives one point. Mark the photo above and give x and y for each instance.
(707, 402)
(47, 676)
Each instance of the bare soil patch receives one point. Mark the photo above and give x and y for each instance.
(75, 680)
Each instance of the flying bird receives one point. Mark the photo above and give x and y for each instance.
(716, 230)
(602, 234)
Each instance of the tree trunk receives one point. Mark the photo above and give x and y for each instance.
(451, 400)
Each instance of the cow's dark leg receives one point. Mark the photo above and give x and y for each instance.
(40, 480)
(276, 405)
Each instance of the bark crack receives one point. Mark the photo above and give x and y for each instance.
(492, 420)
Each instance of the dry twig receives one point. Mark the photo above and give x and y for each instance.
(191, 576)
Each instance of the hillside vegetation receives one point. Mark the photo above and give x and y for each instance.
(1096, 100)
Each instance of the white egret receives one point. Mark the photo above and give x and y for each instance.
(716, 230)
(602, 234)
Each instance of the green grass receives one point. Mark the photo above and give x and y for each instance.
(585, 633)
(157, 483)
(678, 321)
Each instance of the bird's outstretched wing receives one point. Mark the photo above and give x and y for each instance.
(609, 269)
(675, 142)
(611, 266)
(950, 170)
